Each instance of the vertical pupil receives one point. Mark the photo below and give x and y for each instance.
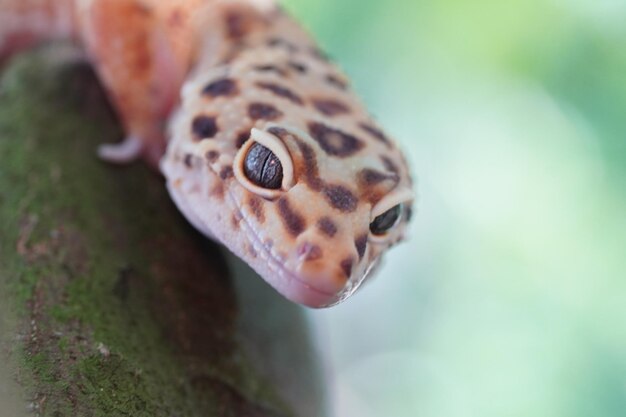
(263, 168)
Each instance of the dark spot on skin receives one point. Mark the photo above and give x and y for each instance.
(361, 245)
(294, 223)
(226, 172)
(370, 177)
(204, 127)
(327, 226)
(346, 266)
(256, 207)
(340, 198)
(188, 160)
(270, 68)
(282, 43)
(252, 252)
(309, 252)
(301, 68)
(242, 138)
(279, 132)
(224, 87)
(389, 164)
(330, 107)
(376, 133)
(309, 166)
(212, 156)
(236, 25)
(336, 82)
(281, 91)
(334, 141)
(263, 111)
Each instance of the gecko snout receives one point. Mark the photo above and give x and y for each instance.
(323, 268)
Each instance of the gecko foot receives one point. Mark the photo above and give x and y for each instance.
(121, 153)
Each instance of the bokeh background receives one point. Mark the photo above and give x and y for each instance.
(510, 298)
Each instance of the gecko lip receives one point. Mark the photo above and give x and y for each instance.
(290, 284)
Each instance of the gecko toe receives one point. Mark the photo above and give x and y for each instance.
(127, 151)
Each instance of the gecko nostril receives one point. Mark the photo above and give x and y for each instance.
(309, 252)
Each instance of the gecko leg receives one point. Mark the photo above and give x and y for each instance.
(142, 61)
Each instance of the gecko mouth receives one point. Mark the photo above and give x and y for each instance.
(284, 280)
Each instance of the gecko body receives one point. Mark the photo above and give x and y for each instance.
(263, 144)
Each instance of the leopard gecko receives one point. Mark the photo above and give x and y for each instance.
(264, 146)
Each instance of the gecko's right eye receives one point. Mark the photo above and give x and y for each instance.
(387, 214)
(386, 221)
(263, 167)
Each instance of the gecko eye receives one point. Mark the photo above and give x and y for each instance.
(386, 221)
(263, 167)
(387, 213)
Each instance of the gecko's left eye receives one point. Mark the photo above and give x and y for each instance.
(264, 166)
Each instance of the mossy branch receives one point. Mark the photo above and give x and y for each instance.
(111, 304)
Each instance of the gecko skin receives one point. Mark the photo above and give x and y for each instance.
(263, 144)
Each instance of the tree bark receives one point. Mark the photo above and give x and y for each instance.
(110, 304)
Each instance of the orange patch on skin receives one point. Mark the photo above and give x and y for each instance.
(256, 206)
(217, 191)
(373, 195)
(235, 219)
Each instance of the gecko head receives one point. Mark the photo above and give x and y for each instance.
(274, 155)
(317, 210)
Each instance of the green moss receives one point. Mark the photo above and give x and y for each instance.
(41, 367)
(124, 309)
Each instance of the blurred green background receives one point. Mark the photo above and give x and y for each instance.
(510, 298)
